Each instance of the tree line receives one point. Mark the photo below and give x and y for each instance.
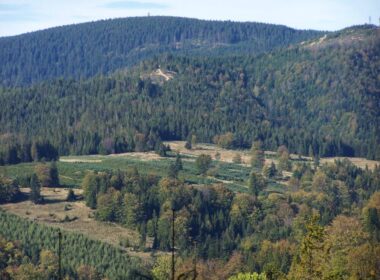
(86, 50)
(317, 102)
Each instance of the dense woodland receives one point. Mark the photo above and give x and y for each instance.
(325, 225)
(221, 222)
(317, 100)
(84, 50)
(67, 91)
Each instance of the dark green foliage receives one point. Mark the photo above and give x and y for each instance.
(203, 163)
(307, 265)
(262, 97)
(257, 155)
(270, 171)
(373, 223)
(43, 151)
(142, 204)
(54, 177)
(188, 145)
(9, 190)
(178, 162)
(256, 183)
(76, 248)
(223, 222)
(47, 174)
(176, 167)
(318, 99)
(35, 190)
(15, 150)
(173, 171)
(90, 187)
(89, 49)
(71, 196)
(108, 206)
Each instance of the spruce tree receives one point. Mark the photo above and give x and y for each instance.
(35, 189)
(256, 183)
(257, 155)
(178, 162)
(71, 196)
(54, 176)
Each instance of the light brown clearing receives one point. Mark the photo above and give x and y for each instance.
(79, 160)
(144, 156)
(167, 75)
(359, 162)
(228, 155)
(53, 213)
(225, 154)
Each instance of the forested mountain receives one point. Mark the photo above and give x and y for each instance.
(320, 98)
(84, 50)
(68, 91)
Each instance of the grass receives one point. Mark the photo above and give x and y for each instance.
(72, 173)
(76, 217)
(72, 169)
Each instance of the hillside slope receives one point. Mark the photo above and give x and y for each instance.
(323, 101)
(84, 50)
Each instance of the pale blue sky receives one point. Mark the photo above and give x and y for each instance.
(20, 16)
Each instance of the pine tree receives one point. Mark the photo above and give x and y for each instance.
(284, 163)
(70, 196)
(90, 186)
(256, 183)
(203, 163)
(188, 144)
(372, 222)
(54, 176)
(178, 162)
(173, 171)
(257, 155)
(270, 171)
(35, 190)
(307, 264)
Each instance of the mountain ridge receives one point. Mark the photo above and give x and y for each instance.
(87, 49)
(322, 101)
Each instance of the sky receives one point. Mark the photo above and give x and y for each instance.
(21, 16)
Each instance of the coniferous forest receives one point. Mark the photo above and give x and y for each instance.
(319, 99)
(136, 85)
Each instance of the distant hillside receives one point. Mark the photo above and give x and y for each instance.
(323, 101)
(85, 50)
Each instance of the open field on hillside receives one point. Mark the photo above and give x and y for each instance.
(72, 169)
(359, 162)
(76, 217)
(227, 155)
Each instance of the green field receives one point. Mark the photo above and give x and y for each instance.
(72, 169)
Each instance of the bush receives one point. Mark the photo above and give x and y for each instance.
(203, 163)
(71, 196)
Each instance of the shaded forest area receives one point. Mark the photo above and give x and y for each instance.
(318, 100)
(85, 50)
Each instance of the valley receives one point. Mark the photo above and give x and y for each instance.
(175, 148)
